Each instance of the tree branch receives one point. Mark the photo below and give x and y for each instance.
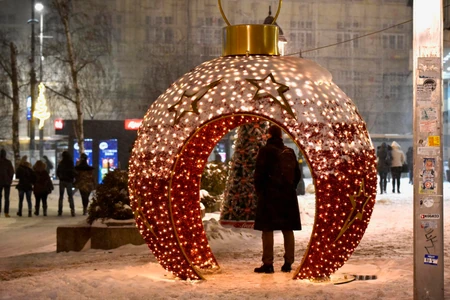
(6, 95)
(59, 94)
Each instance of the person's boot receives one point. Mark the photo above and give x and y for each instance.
(7, 215)
(30, 214)
(268, 269)
(72, 212)
(381, 188)
(286, 268)
(19, 213)
(84, 211)
(36, 212)
(44, 211)
(60, 207)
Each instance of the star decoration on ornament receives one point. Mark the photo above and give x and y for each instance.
(268, 87)
(355, 212)
(195, 97)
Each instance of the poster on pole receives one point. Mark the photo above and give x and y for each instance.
(428, 81)
(428, 176)
(428, 119)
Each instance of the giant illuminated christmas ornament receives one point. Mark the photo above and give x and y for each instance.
(250, 83)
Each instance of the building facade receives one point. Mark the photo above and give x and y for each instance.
(365, 44)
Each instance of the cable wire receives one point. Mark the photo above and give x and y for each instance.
(355, 38)
(346, 41)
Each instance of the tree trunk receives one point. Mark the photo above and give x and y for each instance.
(79, 130)
(15, 101)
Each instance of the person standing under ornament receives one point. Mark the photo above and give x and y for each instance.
(6, 176)
(66, 174)
(84, 180)
(277, 207)
(398, 159)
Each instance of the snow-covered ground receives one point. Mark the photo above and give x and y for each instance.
(30, 268)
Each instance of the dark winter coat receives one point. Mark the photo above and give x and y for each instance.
(6, 169)
(48, 164)
(66, 170)
(26, 177)
(384, 151)
(277, 207)
(84, 177)
(410, 157)
(43, 184)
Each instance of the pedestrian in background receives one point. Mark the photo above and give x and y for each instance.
(42, 187)
(384, 161)
(66, 174)
(48, 165)
(6, 177)
(410, 162)
(277, 207)
(27, 178)
(398, 158)
(84, 180)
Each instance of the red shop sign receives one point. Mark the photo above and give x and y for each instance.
(133, 124)
(59, 124)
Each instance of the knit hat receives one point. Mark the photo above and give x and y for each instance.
(275, 131)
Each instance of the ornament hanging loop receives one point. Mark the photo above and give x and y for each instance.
(228, 23)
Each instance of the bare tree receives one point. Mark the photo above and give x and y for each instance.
(81, 40)
(10, 71)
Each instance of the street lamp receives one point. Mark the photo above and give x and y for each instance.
(39, 7)
(32, 84)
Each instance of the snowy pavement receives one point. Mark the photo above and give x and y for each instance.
(30, 268)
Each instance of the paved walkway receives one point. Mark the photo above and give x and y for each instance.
(22, 235)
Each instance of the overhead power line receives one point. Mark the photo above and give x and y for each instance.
(355, 38)
(349, 40)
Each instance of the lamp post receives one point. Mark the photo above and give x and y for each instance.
(32, 83)
(40, 8)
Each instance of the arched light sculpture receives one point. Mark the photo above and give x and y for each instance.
(250, 83)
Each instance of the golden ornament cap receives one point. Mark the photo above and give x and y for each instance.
(254, 39)
(250, 39)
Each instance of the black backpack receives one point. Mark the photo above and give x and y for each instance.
(388, 158)
(287, 164)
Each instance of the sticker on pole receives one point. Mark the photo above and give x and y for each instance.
(430, 216)
(430, 259)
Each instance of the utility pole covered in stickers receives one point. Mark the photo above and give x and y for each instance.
(428, 164)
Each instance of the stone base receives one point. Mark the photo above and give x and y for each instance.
(72, 238)
(109, 235)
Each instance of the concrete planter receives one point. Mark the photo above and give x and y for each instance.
(115, 233)
(105, 235)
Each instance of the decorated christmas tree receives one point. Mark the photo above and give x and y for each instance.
(111, 199)
(239, 205)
